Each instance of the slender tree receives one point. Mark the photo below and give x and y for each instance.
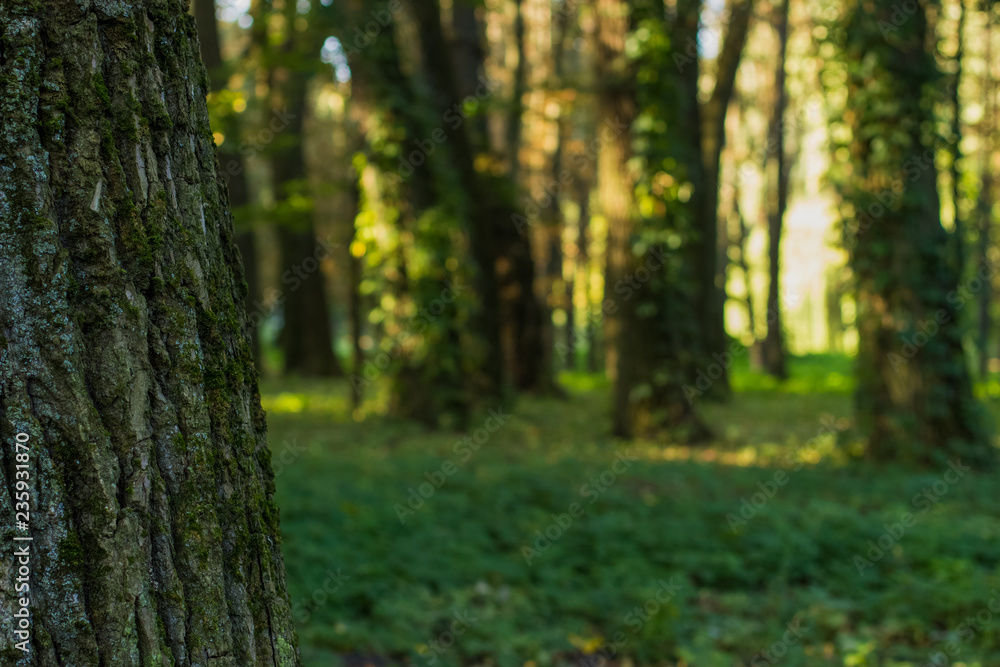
(773, 347)
(958, 237)
(712, 258)
(125, 357)
(985, 202)
(307, 335)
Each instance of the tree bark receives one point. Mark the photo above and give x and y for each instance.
(124, 353)
(232, 167)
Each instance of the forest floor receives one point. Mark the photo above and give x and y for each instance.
(547, 541)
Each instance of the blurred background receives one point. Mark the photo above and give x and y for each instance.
(641, 333)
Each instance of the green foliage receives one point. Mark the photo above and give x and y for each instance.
(664, 518)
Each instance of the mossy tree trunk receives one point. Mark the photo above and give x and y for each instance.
(231, 164)
(124, 352)
(914, 397)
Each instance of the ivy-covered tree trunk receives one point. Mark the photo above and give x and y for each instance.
(646, 303)
(124, 354)
(914, 395)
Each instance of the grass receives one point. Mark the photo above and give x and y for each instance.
(553, 544)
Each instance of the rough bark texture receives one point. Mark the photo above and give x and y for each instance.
(124, 352)
(232, 168)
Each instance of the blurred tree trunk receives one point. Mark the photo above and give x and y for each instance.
(774, 342)
(958, 235)
(834, 310)
(914, 397)
(644, 341)
(712, 255)
(307, 335)
(481, 208)
(125, 354)
(436, 377)
(578, 273)
(616, 107)
(743, 237)
(231, 164)
(984, 205)
(583, 278)
(522, 318)
(355, 306)
(515, 119)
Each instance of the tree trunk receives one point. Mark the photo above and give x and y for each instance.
(515, 119)
(985, 205)
(481, 207)
(641, 330)
(577, 276)
(756, 358)
(232, 168)
(713, 258)
(356, 307)
(583, 278)
(914, 398)
(774, 341)
(125, 355)
(524, 320)
(307, 335)
(958, 232)
(436, 374)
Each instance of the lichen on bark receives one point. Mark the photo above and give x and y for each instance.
(124, 352)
